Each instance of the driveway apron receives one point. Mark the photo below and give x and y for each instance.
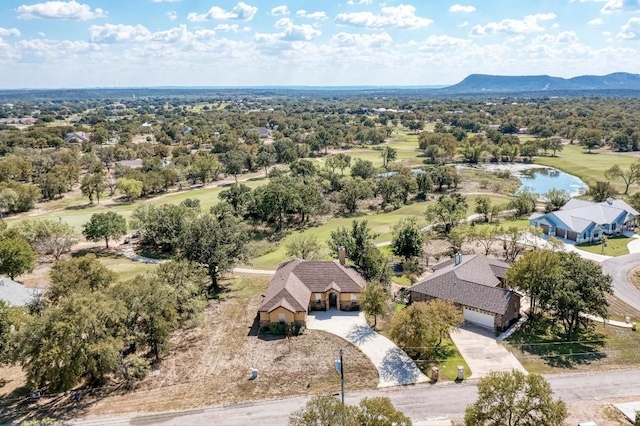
(478, 346)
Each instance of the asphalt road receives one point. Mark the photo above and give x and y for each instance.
(619, 268)
(420, 402)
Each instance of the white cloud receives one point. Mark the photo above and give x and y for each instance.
(362, 40)
(280, 11)
(291, 33)
(402, 16)
(529, 24)
(630, 30)
(41, 34)
(462, 9)
(359, 2)
(597, 21)
(110, 33)
(227, 28)
(443, 43)
(320, 15)
(172, 15)
(620, 6)
(464, 24)
(5, 32)
(71, 10)
(241, 12)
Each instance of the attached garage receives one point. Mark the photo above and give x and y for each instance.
(545, 228)
(560, 233)
(485, 320)
(571, 235)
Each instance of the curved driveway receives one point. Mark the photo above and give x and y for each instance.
(619, 268)
(394, 366)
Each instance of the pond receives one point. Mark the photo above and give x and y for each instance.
(543, 179)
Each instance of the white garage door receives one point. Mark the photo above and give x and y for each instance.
(478, 318)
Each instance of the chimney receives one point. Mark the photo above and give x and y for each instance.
(609, 200)
(342, 254)
(458, 258)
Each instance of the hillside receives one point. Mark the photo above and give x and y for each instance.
(481, 83)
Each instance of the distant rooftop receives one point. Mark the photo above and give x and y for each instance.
(15, 294)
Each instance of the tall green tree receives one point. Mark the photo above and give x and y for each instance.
(374, 301)
(515, 399)
(305, 247)
(407, 239)
(79, 274)
(628, 176)
(601, 190)
(162, 226)
(582, 289)
(16, 256)
(107, 226)
(93, 185)
(535, 273)
(388, 155)
(448, 212)
(217, 240)
(75, 339)
(523, 203)
(483, 206)
(189, 284)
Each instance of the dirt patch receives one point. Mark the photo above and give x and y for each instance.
(634, 278)
(210, 365)
(600, 412)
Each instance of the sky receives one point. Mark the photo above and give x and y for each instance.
(134, 43)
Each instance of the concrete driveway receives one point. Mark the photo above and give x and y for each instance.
(478, 346)
(619, 268)
(393, 364)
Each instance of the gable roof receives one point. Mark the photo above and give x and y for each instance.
(579, 215)
(294, 281)
(471, 283)
(15, 294)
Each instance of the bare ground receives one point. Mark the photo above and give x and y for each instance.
(210, 365)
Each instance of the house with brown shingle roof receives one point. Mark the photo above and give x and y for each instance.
(477, 285)
(301, 286)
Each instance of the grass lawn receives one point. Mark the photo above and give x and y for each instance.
(508, 223)
(588, 167)
(446, 358)
(125, 268)
(604, 347)
(616, 246)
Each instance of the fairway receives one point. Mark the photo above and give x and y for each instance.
(589, 167)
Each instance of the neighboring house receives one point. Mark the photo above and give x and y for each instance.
(301, 286)
(493, 127)
(263, 131)
(15, 294)
(477, 285)
(76, 137)
(585, 221)
(134, 164)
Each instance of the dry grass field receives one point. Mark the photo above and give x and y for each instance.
(210, 365)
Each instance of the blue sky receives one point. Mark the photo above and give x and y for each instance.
(89, 43)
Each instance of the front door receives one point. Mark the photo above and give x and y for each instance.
(333, 300)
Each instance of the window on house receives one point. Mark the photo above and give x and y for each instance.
(613, 226)
(281, 318)
(354, 298)
(318, 297)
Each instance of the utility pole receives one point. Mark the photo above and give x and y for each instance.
(341, 376)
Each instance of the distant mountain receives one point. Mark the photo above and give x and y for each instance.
(481, 83)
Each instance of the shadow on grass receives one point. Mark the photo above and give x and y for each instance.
(80, 206)
(546, 340)
(99, 252)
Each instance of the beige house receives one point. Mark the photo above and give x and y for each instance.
(301, 286)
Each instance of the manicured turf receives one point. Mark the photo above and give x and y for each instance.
(589, 167)
(616, 246)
